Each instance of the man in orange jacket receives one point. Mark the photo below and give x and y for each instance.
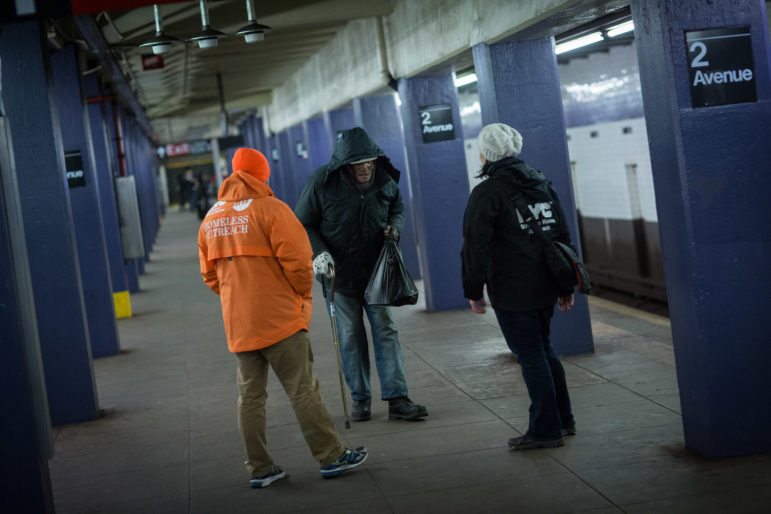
(256, 256)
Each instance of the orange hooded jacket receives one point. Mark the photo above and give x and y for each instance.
(256, 256)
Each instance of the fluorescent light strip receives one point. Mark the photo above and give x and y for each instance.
(621, 28)
(594, 37)
(465, 80)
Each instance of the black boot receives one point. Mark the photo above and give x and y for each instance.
(361, 410)
(404, 408)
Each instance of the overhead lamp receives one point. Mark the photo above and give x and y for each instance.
(465, 80)
(573, 44)
(208, 37)
(161, 43)
(621, 28)
(254, 31)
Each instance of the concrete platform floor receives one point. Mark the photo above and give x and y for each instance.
(168, 442)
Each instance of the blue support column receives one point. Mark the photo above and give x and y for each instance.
(85, 204)
(335, 122)
(116, 155)
(285, 148)
(146, 176)
(150, 167)
(380, 117)
(318, 142)
(259, 135)
(245, 129)
(50, 232)
(519, 85)
(131, 144)
(132, 275)
(439, 190)
(274, 158)
(711, 177)
(301, 162)
(25, 438)
(99, 121)
(251, 129)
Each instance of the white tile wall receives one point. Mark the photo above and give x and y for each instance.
(600, 168)
(599, 164)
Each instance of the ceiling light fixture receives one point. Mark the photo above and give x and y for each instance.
(573, 44)
(254, 31)
(621, 28)
(161, 43)
(208, 37)
(465, 80)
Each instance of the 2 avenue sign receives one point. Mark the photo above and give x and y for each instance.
(73, 162)
(436, 123)
(720, 66)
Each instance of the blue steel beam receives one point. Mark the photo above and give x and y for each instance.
(37, 143)
(519, 85)
(85, 204)
(95, 41)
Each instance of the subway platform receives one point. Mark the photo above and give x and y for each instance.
(167, 441)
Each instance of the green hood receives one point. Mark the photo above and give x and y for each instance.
(355, 144)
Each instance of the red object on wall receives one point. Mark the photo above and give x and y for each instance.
(152, 62)
(95, 6)
(177, 149)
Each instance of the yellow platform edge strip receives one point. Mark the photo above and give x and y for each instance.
(122, 302)
(630, 311)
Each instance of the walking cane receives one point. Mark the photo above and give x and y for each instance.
(337, 344)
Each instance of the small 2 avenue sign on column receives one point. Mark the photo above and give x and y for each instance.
(76, 176)
(720, 66)
(436, 123)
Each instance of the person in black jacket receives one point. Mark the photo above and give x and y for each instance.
(348, 208)
(501, 251)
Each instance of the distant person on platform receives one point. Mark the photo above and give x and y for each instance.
(256, 256)
(187, 189)
(501, 252)
(349, 207)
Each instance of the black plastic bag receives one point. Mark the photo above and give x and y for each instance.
(390, 284)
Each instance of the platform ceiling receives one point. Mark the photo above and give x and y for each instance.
(186, 87)
(182, 99)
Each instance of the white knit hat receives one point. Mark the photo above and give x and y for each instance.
(498, 141)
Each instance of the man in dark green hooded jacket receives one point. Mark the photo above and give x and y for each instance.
(348, 208)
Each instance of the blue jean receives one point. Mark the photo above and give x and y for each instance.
(349, 313)
(527, 334)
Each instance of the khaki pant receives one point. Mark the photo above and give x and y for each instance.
(292, 362)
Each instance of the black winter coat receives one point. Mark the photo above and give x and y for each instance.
(500, 250)
(346, 222)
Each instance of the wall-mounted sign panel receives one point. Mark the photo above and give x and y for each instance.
(76, 176)
(177, 149)
(302, 150)
(130, 222)
(152, 62)
(436, 123)
(720, 66)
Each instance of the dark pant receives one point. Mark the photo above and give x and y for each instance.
(527, 334)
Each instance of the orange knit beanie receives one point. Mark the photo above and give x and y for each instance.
(252, 162)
